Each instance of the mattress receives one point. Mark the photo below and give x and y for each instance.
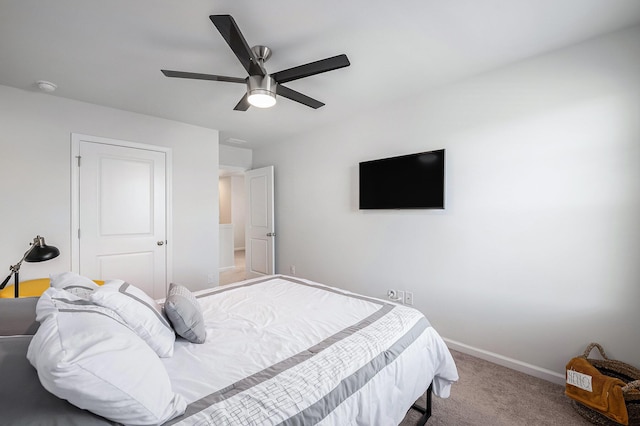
(279, 351)
(283, 350)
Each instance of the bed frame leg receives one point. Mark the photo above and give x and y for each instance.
(426, 411)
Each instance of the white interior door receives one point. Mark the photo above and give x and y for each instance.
(260, 234)
(122, 215)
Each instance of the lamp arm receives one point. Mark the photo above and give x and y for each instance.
(16, 267)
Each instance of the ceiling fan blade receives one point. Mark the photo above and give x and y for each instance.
(244, 104)
(298, 97)
(232, 35)
(312, 68)
(196, 76)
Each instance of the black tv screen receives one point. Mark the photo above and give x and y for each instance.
(414, 181)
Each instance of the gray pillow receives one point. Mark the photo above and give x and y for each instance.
(185, 314)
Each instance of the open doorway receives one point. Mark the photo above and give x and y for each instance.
(232, 225)
(238, 272)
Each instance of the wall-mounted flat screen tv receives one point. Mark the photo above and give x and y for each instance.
(414, 181)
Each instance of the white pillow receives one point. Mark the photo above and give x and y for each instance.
(54, 299)
(96, 363)
(143, 315)
(73, 283)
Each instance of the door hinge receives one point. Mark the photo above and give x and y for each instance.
(78, 157)
(78, 233)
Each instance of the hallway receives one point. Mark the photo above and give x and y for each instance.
(238, 272)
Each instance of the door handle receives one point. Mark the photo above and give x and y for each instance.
(271, 234)
(160, 243)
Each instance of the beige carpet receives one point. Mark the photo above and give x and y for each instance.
(491, 395)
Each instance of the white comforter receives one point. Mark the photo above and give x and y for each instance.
(282, 350)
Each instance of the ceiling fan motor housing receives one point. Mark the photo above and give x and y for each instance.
(261, 91)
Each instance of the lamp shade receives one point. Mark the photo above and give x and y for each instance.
(261, 91)
(41, 252)
(262, 100)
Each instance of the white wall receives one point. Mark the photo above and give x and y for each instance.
(35, 179)
(238, 211)
(538, 250)
(232, 157)
(226, 247)
(224, 199)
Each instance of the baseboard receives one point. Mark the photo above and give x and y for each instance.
(238, 248)
(514, 364)
(226, 268)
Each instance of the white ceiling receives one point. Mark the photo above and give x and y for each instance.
(111, 52)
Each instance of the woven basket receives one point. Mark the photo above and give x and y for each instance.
(618, 369)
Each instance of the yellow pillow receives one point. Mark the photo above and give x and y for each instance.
(31, 288)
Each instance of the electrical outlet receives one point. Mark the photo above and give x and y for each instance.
(211, 278)
(292, 269)
(408, 298)
(396, 295)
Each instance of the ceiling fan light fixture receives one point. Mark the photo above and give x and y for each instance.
(262, 100)
(261, 91)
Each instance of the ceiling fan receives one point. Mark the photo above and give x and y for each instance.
(262, 87)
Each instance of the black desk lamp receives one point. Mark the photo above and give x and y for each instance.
(38, 252)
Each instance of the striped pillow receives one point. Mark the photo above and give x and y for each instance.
(142, 314)
(185, 314)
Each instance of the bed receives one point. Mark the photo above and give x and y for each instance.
(278, 350)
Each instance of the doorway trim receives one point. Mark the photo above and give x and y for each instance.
(76, 138)
(262, 202)
(226, 171)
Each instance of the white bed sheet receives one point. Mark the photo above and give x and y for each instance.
(369, 359)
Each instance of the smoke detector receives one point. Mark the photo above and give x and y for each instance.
(46, 86)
